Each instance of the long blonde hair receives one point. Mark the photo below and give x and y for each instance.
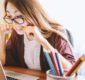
(34, 14)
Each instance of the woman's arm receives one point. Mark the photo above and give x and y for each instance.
(47, 46)
(2, 35)
(65, 62)
(65, 51)
(2, 45)
(2, 55)
(2, 10)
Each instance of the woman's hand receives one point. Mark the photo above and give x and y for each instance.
(34, 33)
(2, 2)
(2, 10)
(2, 43)
(5, 33)
(2, 35)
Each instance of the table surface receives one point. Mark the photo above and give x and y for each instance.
(40, 74)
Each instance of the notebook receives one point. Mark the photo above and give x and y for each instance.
(11, 75)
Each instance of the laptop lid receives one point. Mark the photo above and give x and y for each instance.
(11, 75)
(2, 73)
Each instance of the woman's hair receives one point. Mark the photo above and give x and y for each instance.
(34, 14)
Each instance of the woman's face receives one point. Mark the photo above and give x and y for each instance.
(14, 17)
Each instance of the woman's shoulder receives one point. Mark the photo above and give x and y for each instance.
(56, 40)
(56, 37)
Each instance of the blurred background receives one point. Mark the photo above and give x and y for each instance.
(70, 14)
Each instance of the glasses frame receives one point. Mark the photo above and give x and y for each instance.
(13, 19)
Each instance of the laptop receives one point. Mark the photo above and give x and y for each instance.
(11, 75)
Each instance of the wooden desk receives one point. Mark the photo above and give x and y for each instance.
(37, 73)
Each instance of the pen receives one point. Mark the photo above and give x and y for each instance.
(8, 36)
(23, 27)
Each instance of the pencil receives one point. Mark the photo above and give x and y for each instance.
(52, 55)
(8, 36)
(75, 66)
(59, 64)
(50, 63)
(23, 27)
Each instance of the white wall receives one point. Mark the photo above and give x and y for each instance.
(71, 14)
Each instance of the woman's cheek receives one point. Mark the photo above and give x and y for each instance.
(18, 30)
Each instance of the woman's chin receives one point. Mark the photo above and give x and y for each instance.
(20, 32)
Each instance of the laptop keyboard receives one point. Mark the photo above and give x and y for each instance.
(9, 78)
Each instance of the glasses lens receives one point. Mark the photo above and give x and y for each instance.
(19, 20)
(8, 20)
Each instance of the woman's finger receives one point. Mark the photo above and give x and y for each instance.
(3, 27)
(5, 31)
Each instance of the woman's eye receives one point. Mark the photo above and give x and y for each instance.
(8, 16)
(19, 17)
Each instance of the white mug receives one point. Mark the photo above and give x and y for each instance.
(50, 76)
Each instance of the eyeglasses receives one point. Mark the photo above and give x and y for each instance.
(17, 20)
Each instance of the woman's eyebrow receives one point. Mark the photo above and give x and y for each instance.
(9, 11)
(15, 11)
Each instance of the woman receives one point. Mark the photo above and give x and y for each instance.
(33, 32)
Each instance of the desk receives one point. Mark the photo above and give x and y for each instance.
(37, 73)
